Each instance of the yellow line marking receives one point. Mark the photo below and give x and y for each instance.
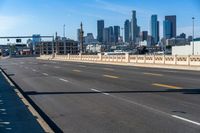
(110, 76)
(77, 71)
(166, 86)
(153, 74)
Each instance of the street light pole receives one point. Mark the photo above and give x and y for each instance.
(193, 37)
(64, 30)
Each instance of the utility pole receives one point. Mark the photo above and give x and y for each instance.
(64, 30)
(64, 40)
(193, 36)
(81, 38)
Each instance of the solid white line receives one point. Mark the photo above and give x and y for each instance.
(187, 120)
(45, 74)
(63, 80)
(95, 90)
(2, 109)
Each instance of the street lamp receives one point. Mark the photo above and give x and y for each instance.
(193, 36)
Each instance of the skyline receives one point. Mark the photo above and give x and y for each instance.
(38, 16)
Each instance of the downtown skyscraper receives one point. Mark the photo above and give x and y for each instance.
(116, 33)
(169, 27)
(155, 28)
(100, 30)
(134, 27)
(127, 31)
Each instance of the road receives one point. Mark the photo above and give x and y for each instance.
(97, 98)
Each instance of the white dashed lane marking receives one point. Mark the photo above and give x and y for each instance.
(45, 74)
(64, 80)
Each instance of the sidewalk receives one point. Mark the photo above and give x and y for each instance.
(14, 115)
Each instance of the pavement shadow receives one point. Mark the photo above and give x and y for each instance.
(183, 91)
(10, 75)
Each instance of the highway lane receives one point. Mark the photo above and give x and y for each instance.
(82, 97)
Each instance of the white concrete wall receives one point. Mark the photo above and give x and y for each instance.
(187, 49)
(142, 59)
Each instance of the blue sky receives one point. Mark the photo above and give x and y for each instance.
(45, 17)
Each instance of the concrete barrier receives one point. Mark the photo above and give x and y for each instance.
(136, 59)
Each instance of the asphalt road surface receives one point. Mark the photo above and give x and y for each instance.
(96, 98)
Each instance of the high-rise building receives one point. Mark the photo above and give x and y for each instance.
(100, 29)
(138, 31)
(116, 33)
(172, 20)
(144, 35)
(111, 34)
(167, 29)
(127, 31)
(89, 38)
(134, 27)
(155, 28)
(106, 35)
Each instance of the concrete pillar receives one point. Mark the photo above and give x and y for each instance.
(47, 50)
(68, 56)
(145, 56)
(127, 58)
(175, 59)
(100, 56)
(163, 59)
(136, 58)
(188, 60)
(65, 50)
(154, 61)
(80, 56)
